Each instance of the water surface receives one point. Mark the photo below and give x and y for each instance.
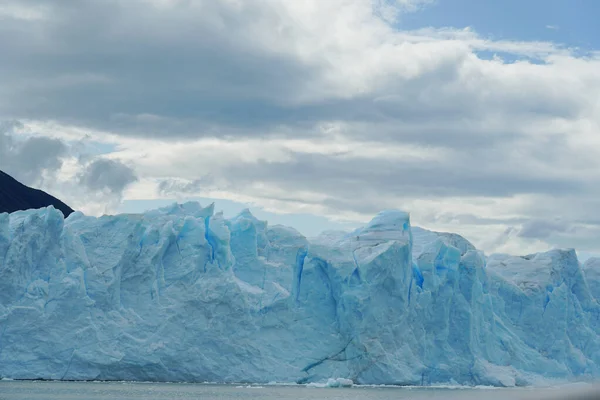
(35, 390)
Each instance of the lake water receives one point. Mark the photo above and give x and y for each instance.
(31, 390)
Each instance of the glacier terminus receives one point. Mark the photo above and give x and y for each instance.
(184, 294)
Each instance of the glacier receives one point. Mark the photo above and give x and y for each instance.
(184, 294)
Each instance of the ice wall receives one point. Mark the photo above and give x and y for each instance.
(183, 294)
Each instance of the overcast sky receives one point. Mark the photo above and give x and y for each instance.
(477, 116)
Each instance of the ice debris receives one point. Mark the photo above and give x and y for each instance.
(333, 383)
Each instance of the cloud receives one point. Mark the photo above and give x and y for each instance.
(65, 169)
(176, 187)
(222, 68)
(542, 229)
(30, 159)
(107, 175)
(390, 10)
(326, 107)
(19, 11)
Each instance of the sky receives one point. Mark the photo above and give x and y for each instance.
(479, 117)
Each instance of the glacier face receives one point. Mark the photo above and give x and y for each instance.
(183, 294)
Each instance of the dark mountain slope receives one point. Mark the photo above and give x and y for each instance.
(15, 196)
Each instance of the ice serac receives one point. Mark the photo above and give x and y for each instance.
(184, 294)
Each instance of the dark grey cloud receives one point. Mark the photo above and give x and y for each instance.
(205, 70)
(37, 161)
(105, 174)
(543, 228)
(400, 176)
(28, 160)
(557, 233)
(367, 185)
(98, 62)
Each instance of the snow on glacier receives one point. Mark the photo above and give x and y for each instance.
(183, 294)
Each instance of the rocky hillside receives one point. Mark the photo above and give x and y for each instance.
(15, 196)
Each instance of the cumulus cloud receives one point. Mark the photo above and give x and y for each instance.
(65, 169)
(326, 107)
(107, 175)
(99, 183)
(30, 159)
